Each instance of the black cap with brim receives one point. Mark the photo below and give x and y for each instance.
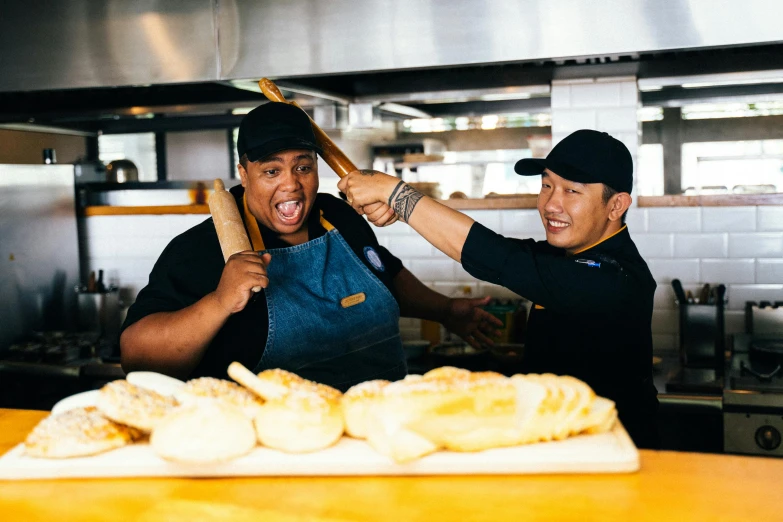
(536, 166)
(274, 127)
(586, 156)
(288, 143)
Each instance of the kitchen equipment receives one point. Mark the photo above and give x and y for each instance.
(99, 311)
(702, 330)
(121, 171)
(228, 223)
(49, 156)
(753, 397)
(611, 452)
(333, 156)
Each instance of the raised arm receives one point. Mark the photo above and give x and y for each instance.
(442, 226)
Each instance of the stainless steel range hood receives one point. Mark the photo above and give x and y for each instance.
(51, 44)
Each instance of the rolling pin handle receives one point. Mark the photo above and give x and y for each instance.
(271, 91)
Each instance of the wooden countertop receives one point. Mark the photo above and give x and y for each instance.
(670, 486)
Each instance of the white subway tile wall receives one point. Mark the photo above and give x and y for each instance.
(770, 219)
(750, 264)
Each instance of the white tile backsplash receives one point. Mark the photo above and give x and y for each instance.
(636, 219)
(734, 321)
(433, 269)
(622, 119)
(666, 321)
(410, 246)
(664, 270)
(570, 120)
(729, 219)
(701, 245)
(725, 271)
(457, 289)
(561, 96)
(664, 297)
(521, 223)
(488, 218)
(739, 294)
(769, 271)
(652, 246)
(770, 218)
(595, 95)
(661, 219)
(759, 244)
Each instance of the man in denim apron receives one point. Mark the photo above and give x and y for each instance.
(332, 296)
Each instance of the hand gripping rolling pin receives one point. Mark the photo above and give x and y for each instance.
(228, 223)
(332, 155)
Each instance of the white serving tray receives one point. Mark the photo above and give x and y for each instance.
(611, 452)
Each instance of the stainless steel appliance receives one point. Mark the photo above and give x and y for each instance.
(753, 396)
(39, 257)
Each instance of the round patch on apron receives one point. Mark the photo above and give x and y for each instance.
(375, 260)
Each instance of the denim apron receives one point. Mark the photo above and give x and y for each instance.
(330, 319)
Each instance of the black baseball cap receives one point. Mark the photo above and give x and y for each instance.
(586, 156)
(273, 127)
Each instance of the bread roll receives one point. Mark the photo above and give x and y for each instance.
(128, 404)
(77, 433)
(208, 432)
(308, 418)
(209, 388)
(154, 381)
(269, 384)
(356, 405)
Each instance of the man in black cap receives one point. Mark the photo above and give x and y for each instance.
(592, 291)
(332, 296)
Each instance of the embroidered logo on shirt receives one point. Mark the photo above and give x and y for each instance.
(351, 300)
(589, 262)
(375, 260)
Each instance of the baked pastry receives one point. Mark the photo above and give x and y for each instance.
(209, 388)
(77, 433)
(356, 404)
(137, 407)
(207, 432)
(157, 382)
(298, 415)
(307, 418)
(268, 384)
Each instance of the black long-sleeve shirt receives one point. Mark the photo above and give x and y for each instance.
(591, 317)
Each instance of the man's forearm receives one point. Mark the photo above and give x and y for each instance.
(443, 227)
(417, 300)
(172, 342)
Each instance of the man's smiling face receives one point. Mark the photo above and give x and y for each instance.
(574, 215)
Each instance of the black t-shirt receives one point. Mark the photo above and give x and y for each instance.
(191, 265)
(592, 315)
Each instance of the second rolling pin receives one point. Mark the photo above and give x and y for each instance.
(332, 154)
(228, 223)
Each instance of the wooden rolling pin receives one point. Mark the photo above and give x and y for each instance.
(333, 156)
(228, 223)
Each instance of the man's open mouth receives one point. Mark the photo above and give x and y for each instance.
(289, 211)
